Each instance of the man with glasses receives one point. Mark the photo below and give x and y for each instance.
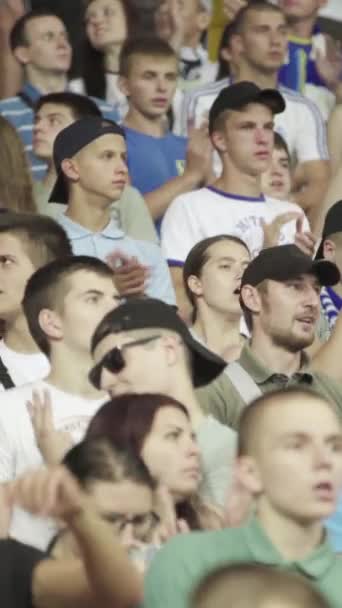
(63, 303)
(143, 346)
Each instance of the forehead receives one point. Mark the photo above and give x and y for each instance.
(308, 279)
(111, 341)
(124, 495)
(169, 416)
(96, 4)
(228, 249)
(12, 244)
(265, 17)
(83, 281)
(252, 111)
(49, 109)
(109, 141)
(280, 153)
(302, 414)
(150, 63)
(41, 25)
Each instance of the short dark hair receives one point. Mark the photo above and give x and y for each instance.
(99, 459)
(259, 6)
(17, 35)
(42, 237)
(198, 256)
(280, 144)
(147, 45)
(79, 105)
(48, 286)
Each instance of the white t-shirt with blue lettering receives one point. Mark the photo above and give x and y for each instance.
(208, 212)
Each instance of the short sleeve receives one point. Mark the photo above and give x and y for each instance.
(179, 232)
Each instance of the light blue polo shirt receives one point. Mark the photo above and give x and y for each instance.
(111, 239)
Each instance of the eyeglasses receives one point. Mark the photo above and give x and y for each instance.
(143, 523)
(114, 360)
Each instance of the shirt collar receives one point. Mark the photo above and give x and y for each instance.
(260, 373)
(30, 91)
(76, 231)
(314, 566)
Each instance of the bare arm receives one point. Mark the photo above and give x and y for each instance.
(10, 70)
(184, 306)
(5, 512)
(311, 180)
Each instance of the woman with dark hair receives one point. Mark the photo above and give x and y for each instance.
(108, 23)
(157, 428)
(212, 275)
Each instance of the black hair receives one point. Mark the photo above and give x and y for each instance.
(148, 45)
(80, 105)
(17, 35)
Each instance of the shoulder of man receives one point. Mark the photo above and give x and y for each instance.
(221, 399)
(328, 388)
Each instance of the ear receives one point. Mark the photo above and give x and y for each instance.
(22, 54)
(236, 46)
(329, 250)
(248, 475)
(70, 169)
(171, 345)
(195, 285)
(51, 324)
(251, 298)
(123, 85)
(219, 141)
(226, 54)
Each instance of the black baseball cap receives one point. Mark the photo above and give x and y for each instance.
(238, 95)
(287, 262)
(71, 140)
(332, 224)
(142, 313)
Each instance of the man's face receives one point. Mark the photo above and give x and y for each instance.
(247, 138)
(301, 9)
(48, 47)
(15, 270)
(276, 181)
(50, 119)
(88, 299)
(220, 279)
(299, 458)
(193, 16)
(105, 22)
(100, 168)
(146, 365)
(263, 40)
(289, 312)
(150, 84)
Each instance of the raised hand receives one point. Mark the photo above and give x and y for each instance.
(329, 63)
(232, 7)
(129, 275)
(306, 241)
(272, 230)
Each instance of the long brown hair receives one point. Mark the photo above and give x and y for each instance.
(16, 193)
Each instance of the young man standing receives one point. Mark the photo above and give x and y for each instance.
(91, 163)
(290, 460)
(161, 164)
(63, 303)
(258, 44)
(26, 243)
(39, 42)
(241, 129)
(53, 113)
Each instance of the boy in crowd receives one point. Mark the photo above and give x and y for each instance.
(91, 164)
(241, 129)
(276, 181)
(290, 460)
(144, 347)
(63, 303)
(161, 164)
(26, 243)
(53, 113)
(258, 44)
(39, 42)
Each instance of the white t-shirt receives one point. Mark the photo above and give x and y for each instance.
(19, 452)
(23, 368)
(208, 212)
(301, 124)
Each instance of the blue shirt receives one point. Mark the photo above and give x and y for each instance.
(111, 239)
(20, 113)
(300, 67)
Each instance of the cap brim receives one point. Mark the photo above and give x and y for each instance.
(273, 99)
(206, 365)
(59, 192)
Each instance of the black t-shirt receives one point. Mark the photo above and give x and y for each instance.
(17, 562)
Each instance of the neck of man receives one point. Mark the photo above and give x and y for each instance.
(233, 181)
(274, 357)
(46, 82)
(112, 56)
(302, 28)
(18, 338)
(293, 539)
(153, 126)
(181, 389)
(219, 332)
(50, 176)
(91, 211)
(264, 79)
(69, 372)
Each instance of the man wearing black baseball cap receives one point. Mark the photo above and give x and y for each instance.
(280, 299)
(145, 347)
(91, 165)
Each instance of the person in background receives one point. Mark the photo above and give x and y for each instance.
(53, 113)
(290, 460)
(212, 276)
(91, 162)
(161, 164)
(276, 181)
(16, 192)
(39, 43)
(102, 573)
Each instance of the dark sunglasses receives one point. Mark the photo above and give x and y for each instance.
(114, 361)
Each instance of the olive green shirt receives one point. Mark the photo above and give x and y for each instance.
(130, 212)
(184, 561)
(224, 402)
